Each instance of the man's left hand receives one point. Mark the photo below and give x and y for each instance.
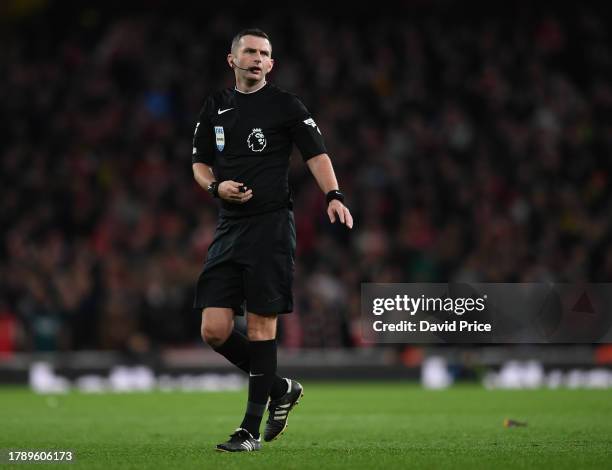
(336, 208)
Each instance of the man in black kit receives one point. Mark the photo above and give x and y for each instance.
(241, 150)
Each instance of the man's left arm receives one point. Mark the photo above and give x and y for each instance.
(323, 171)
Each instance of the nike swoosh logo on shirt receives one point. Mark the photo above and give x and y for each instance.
(255, 375)
(221, 111)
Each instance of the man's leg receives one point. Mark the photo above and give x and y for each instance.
(218, 331)
(261, 331)
(217, 327)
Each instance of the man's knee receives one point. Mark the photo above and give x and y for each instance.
(214, 336)
(261, 327)
(217, 326)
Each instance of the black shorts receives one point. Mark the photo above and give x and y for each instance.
(251, 260)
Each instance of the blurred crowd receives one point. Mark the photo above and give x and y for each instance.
(475, 150)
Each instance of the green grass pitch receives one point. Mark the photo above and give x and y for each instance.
(353, 426)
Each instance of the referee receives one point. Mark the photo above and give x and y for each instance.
(241, 148)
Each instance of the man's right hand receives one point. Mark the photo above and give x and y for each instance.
(230, 191)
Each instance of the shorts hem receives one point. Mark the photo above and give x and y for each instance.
(239, 311)
(269, 311)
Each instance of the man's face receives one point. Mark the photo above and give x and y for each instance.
(253, 53)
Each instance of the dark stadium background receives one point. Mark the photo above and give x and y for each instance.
(472, 140)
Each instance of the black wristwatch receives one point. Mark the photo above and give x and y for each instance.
(213, 189)
(334, 194)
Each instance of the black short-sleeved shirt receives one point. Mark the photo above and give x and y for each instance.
(248, 137)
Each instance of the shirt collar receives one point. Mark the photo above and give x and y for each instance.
(251, 92)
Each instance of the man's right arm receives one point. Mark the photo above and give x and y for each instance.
(203, 174)
(203, 157)
(228, 190)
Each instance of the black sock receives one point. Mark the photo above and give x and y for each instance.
(279, 388)
(236, 350)
(261, 376)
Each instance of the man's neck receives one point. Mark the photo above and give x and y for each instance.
(245, 88)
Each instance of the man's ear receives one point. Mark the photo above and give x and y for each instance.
(271, 65)
(230, 60)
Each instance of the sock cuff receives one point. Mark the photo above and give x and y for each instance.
(234, 340)
(266, 343)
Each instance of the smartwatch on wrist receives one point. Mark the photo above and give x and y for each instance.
(213, 189)
(334, 194)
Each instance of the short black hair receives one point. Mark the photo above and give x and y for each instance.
(250, 32)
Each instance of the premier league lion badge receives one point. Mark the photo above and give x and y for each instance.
(257, 140)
